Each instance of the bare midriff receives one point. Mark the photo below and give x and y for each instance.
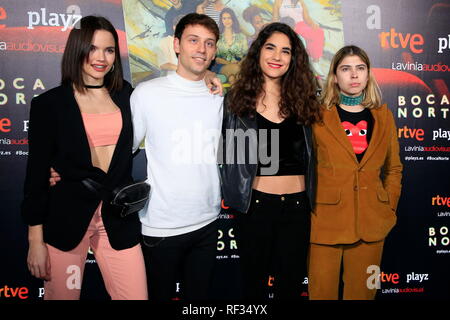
(279, 184)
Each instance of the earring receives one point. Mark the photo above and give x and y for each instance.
(112, 69)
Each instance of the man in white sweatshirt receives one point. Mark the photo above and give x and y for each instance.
(180, 121)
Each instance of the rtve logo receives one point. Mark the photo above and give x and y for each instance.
(5, 124)
(7, 292)
(377, 277)
(395, 40)
(392, 38)
(440, 201)
(408, 133)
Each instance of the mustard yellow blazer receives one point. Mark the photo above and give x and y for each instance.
(355, 200)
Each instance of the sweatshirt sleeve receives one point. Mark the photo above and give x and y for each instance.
(138, 117)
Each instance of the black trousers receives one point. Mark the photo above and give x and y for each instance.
(188, 258)
(273, 240)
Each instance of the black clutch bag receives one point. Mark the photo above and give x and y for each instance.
(131, 198)
(127, 199)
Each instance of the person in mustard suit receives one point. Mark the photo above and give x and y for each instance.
(358, 180)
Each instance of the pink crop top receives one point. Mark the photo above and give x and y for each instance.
(102, 129)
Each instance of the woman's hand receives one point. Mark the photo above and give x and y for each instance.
(213, 83)
(38, 260)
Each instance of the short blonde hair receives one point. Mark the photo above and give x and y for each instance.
(330, 93)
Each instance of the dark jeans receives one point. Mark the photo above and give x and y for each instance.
(273, 239)
(188, 258)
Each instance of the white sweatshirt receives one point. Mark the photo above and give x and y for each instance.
(181, 122)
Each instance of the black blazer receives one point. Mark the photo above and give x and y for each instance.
(57, 139)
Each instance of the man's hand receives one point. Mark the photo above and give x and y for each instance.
(54, 177)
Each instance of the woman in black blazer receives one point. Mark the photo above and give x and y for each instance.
(83, 130)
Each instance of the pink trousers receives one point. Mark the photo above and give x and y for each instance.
(314, 37)
(123, 271)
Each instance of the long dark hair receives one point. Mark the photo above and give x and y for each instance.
(298, 85)
(77, 51)
(236, 27)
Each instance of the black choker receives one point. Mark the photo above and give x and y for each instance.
(94, 87)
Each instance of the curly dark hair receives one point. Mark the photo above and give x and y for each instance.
(299, 86)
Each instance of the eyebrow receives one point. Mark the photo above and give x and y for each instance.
(358, 65)
(272, 45)
(110, 47)
(194, 35)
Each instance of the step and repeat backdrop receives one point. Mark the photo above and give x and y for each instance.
(409, 45)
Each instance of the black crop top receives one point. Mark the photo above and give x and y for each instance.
(291, 148)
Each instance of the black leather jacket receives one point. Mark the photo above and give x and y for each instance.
(237, 179)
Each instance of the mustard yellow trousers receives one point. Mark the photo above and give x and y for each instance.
(326, 261)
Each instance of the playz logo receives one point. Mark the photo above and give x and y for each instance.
(70, 19)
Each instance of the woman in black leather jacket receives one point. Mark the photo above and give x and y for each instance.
(267, 165)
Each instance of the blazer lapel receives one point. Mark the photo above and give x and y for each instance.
(379, 119)
(126, 118)
(334, 126)
(74, 114)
